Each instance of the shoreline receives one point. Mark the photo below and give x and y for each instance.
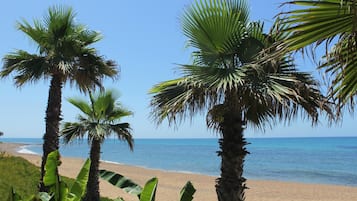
(21, 149)
(170, 183)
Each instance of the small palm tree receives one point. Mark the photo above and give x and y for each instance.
(228, 80)
(64, 55)
(100, 119)
(329, 22)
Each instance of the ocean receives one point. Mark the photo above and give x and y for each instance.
(328, 160)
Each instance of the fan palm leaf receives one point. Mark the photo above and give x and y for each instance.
(216, 31)
(333, 23)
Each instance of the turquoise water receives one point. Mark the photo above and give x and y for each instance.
(309, 160)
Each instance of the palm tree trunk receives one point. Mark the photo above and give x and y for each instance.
(231, 185)
(92, 193)
(53, 117)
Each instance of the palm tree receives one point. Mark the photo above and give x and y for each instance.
(227, 80)
(329, 22)
(100, 119)
(64, 55)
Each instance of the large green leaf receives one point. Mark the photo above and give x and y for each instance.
(52, 162)
(187, 192)
(79, 187)
(51, 179)
(149, 191)
(63, 193)
(120, 181)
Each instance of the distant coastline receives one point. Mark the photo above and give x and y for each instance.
(320, 160)
(170, 183)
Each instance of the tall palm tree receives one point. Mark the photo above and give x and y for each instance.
(236, 90)
(100, 119)
(64, 55)
(333, 23)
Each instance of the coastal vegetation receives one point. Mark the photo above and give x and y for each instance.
(99, 119)
(19, 179)
(59, 188)
(21, 176)
(228, 80)
(65, 54)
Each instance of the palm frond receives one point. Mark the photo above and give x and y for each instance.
(215, 28)
(329, 22)
(86, 36)
(104, 104)
(341, 64)
(60, 22)
(37, 33)
(82, 105)
(217, 79)
(323, 20)
(28, 67)
(91, 71)
(252, 43)
(72, 131)
(117, 113)
(123, 132)
(177, 98)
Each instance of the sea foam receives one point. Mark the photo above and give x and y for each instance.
(25, 150)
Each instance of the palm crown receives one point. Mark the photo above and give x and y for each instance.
(228, 47)
(99, 119)
(229, 79)
(64, 50)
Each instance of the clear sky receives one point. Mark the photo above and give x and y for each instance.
(145, 39)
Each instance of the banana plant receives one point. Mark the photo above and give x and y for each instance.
(146, 193)
(58, 190)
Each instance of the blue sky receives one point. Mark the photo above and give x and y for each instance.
(145, 39)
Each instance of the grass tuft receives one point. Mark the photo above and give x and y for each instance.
(18, 173)
(22, 175)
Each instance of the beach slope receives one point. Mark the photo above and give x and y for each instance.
(170, 183)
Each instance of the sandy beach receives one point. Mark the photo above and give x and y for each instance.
(170, 183)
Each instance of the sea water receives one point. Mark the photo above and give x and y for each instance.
(330, 160)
